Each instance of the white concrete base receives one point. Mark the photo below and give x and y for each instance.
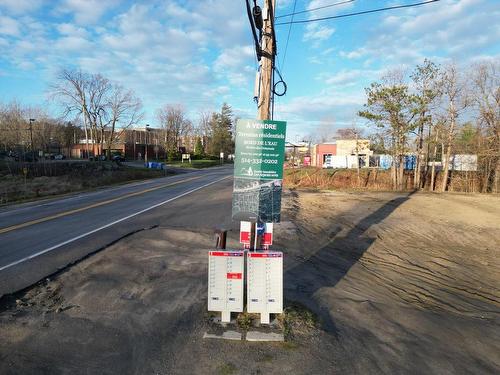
(262, 336)
(228, 335)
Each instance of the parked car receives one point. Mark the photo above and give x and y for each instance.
(59, 157)
(118, 158)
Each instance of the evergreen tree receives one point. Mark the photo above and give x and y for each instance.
(222, 131)
(198, 148)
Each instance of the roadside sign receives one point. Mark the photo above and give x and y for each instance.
(265, 283)
(258, 170)
(245, 232)
(267, 238)
(225, 282)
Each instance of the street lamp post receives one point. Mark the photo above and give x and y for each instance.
(32, 120)
(146, 153)
(135, 141)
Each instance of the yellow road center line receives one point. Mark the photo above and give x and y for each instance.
(94, 205)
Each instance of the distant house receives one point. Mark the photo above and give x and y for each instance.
(321, 152)
(344, 149)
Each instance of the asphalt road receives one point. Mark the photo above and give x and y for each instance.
(40, 238)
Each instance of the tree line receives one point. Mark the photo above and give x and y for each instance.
(438, 111)
(99, 111)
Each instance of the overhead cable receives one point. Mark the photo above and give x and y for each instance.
(252, 26)
(288, 38)
(313, 9)
(358, 13)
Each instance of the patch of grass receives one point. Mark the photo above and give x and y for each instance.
(197, 164)
(266, 358)
(289, 345)
(49, 179)
(297, 319)
(227, 369)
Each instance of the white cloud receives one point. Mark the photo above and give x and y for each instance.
(234, 57)
(334, 103)
(9, 26)
(453, 28)
(317, 33)
(72, 43)
(356, 54)
(71, 30)
(86, 12)
(20, 6)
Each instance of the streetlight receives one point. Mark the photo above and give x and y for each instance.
(32, 120)
(146, 153)
(135, 142)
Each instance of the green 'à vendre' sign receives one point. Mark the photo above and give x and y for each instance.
(258, 170)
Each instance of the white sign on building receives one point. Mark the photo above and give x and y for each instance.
(265, 283)
(225, 282)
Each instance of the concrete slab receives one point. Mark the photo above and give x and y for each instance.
(265, 336)
(227, 335)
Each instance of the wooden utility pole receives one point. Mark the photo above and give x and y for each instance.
(266, 70)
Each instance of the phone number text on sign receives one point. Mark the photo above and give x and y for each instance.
(259, 161)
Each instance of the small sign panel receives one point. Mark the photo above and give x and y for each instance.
(245, 232)
(265, 282)
(267, 237)
(225, 281)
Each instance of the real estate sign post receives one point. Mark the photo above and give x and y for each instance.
(258, 170)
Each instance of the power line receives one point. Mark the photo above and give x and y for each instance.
(359, 13)
(313, 9)
(288, 37)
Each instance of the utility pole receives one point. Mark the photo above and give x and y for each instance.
(267, 61)
(265, 81)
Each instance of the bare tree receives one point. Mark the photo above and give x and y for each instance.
(175, 125)
(325, 131)
(13, 127)
(392, 107)
(486, 97)
(98, 90)
(103, 106)
(204, 130)
(425, 79)
(454, 91)
(71, 90)
(349, 133)
(122, 108)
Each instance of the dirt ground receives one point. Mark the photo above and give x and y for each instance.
(398, 284)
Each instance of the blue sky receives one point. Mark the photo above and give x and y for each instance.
(199, 53)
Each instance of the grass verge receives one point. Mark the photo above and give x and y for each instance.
(68, 178)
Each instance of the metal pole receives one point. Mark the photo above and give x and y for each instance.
(146, 153)
(31, 136)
